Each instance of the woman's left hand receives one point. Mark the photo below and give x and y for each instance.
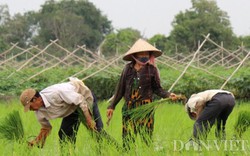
(173, 96)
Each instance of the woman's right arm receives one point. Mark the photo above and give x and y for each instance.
(120, 89)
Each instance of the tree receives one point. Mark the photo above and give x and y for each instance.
(117, 43)
(160, 42)
(73, 23)
(18, 29)
(4, 17)
(204, 17)
(245, 40)
(4, 14)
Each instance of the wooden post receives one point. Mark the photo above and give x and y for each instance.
(198, 56)
(101, 69)
(189, 63)
(245, 58)
(222, 56)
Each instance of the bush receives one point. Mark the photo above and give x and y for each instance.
(104, 84)
(241, 86)
(242, 123)
(103, 87)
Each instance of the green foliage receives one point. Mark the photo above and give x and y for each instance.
(4, 17)
(11, 127)
(204, 17)
(172, 125)
(19, 29)
(241, 86)
(161, 42)
(195, 81)
(101, 136)
(245, 40)
(71, 23)
(14, 84)
(4, 14)
(68, 21)
(118, 43)
(242, 123)
(102, 86)
(190, 84)
(3, 43)
(142, 112)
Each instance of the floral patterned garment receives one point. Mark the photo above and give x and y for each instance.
(134, 102)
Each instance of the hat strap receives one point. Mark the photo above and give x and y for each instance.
(139, 62)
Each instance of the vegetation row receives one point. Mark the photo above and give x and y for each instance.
(103, 84)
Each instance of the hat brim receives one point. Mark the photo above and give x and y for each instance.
(130, 58)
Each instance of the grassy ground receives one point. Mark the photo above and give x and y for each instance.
(173, 128)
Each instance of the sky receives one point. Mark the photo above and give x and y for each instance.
(150, 17)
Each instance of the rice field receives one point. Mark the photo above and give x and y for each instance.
(173, 129)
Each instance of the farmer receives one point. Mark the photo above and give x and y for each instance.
(62, 101)
(208, 107)
(138, 82)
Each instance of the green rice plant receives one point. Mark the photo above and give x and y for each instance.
(172, 129)
(242, 123)
(143, 111)
(99, 136)
(11, 127)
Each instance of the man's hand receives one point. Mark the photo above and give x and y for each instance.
(109, 115)
(199, 109)
(39, 141)
(89, 121)
(31, 143)
(35, 143)
(193, 115)
(91, 124)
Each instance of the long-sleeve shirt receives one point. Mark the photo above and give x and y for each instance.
(60, 100)
(199, 100)
(149, 84)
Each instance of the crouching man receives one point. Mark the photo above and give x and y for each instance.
(62, 101)
(208, 107)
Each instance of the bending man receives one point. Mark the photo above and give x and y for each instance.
(208, 107)
(62, 101)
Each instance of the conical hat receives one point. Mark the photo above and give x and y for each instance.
(140, 46)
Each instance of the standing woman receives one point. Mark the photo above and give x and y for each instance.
(138, 82)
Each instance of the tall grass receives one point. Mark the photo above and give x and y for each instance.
(172, 129)
(242, 123)
(11, 127)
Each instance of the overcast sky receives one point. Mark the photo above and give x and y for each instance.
(150, 17)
